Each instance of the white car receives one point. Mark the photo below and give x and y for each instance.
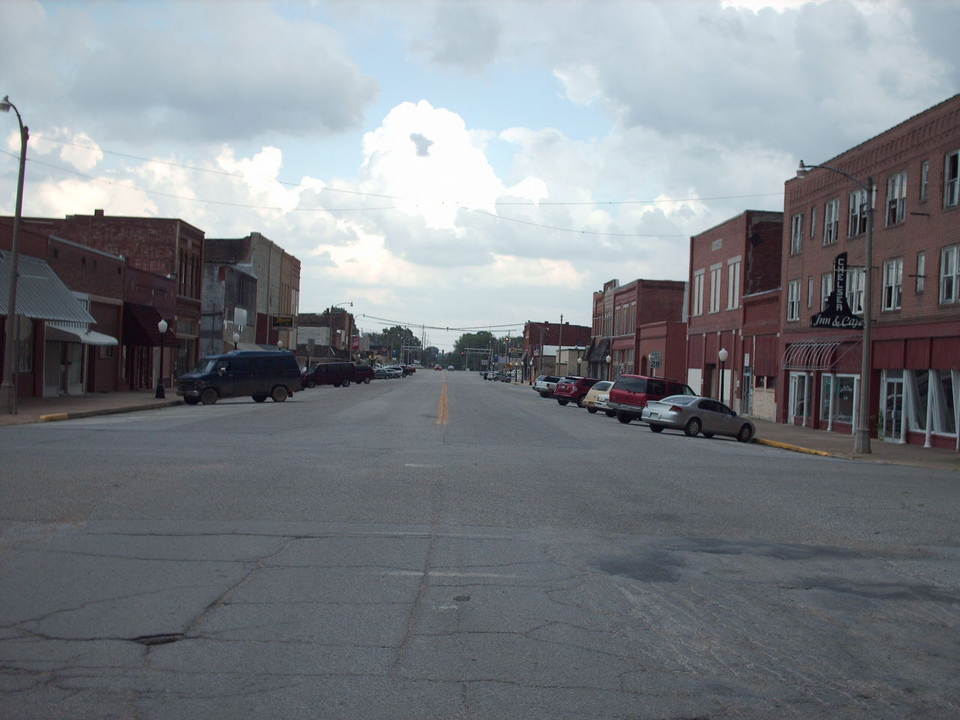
(545, 385)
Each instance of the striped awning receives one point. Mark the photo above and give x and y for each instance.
(41, 293)
(811, 355)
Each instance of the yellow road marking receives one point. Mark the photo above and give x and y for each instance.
(443, 413)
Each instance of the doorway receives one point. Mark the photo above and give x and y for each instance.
(799, 398)
(891, 428)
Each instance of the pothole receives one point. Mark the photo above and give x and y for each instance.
(160, 639)
(461, 598)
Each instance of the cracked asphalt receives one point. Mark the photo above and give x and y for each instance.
(372, 552)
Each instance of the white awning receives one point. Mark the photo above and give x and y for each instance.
(78, 335)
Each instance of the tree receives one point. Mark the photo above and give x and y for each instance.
(394, 339)
(470, 348)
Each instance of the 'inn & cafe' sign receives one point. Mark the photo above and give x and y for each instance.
(836, 314)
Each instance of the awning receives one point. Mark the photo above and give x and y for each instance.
(623, 343)
(140, 326)
(41, 294)
(600, 350)
(63, 333)
(811, 355)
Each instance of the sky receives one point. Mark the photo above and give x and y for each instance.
(456, 164)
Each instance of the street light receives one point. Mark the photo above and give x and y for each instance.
(607, 360)
(861, 438)
(279, 344)
(160, 394)
(11, 327)
(236, 340)
(722, 356)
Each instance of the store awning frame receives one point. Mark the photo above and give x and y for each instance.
(811, 355)
(78, 334)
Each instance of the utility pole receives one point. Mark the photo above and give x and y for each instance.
(560, 344)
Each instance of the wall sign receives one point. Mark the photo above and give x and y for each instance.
(837, 315)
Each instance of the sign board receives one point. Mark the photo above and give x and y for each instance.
(283, 321)
(655, 359)
(837, 315)
(355, 343)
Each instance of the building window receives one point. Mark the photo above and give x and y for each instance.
(733, 285)
(813, 222)
(858, 213)
(948, 274)
(810, 292)
(837, 395)
(796, 234)
(893, 284)
(924, 179)
(715, 288)
(831, 221)
(951, 179)
(697, 308)
(896, 198)
(921, 271)
(793, 300)
(855, 281)
(826, 287)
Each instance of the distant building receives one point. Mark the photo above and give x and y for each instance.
(541, 341)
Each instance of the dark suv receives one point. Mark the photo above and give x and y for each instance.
(338, 374)
(257, 373)
(573, 389)
(630, 393)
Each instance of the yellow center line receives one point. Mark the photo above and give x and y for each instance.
(443, 413)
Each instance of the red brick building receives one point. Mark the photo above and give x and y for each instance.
(619, 314)
(915, 375)
(733, 260)
(541, 341)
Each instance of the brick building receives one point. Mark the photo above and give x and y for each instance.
(541, 342)
(736, 259)
(915, 375)
(331, 332)
(619, 313)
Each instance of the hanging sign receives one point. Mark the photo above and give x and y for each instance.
(837, 315)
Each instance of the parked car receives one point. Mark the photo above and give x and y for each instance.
(631, 392)
(388, 372)
(338, 374)
(362, 373)
(504, 376)
(450, 367)
(407, 370)
(573, 388)
(257, 373)
(695, 415)
(545, 385)
(437, 367)
(597, 396)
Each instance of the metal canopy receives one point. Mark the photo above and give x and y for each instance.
(811, 355)
(78, 334)
(41, 294)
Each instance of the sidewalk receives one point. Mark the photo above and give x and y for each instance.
(31, 410)
(820, 442)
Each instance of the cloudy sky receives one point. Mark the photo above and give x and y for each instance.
(457, 163)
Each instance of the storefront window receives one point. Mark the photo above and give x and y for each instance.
(826, 390)
(920, 384)
(947, 417)
(845, 396)
(24, 345)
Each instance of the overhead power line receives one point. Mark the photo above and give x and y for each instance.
(442, 327)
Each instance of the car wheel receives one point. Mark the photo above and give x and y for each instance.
(346, 383)
(366, 381)
(692, 428)
(311, 383)
(191, 400)
(562, 402)
(624, 418)
(745, 434)
(708, 435)
(209, 396)
(591, 410)
(279, 393)
(610, 413)
(259, 398)
(336, 384)
(544, 395)
(656, 428)
(580, 403)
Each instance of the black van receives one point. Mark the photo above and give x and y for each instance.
(331, 373)
(257, 373)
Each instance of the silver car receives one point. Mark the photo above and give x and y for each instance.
(695, 415)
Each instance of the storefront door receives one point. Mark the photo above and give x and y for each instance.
(799, 397)
(892, 428)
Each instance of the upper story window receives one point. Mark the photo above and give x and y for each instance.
(793, 300)
(715, 288)
(921, 271)
(697, 296)
(826, 287)
(810, 292)
(893, 284)
(948, 274)
(858, 213)
(896, 198)
(796, 234)
(813, 222)
(831, 221)
(951, 179)
(924, 179)
(733, 283)
(855, 281)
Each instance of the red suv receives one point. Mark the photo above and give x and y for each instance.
(573, 388)
(631, 392)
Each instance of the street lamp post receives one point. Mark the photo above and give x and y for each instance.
(11, 327)
(236, 340)
(861, 437)
(608, 359)
(160, 394)
(722, 356)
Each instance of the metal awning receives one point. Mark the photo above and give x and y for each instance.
(41, 294)
(140, 326)
(811, 355)
(64, 333)
(599, 352)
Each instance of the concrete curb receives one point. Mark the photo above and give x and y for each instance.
(793, 448)
(56, 417)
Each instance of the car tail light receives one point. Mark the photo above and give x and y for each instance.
(676, 408)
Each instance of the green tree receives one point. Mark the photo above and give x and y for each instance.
(470, 348)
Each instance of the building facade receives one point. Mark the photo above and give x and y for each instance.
(541, 341)
(909, 176)
(737, 258)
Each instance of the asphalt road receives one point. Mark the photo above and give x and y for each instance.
(446, 547)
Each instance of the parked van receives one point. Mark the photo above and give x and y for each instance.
(338, 374)
(257, 373)
(630, 393)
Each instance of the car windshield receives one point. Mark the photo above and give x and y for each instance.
(603, 385)
(679, 399)
(206, 365)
